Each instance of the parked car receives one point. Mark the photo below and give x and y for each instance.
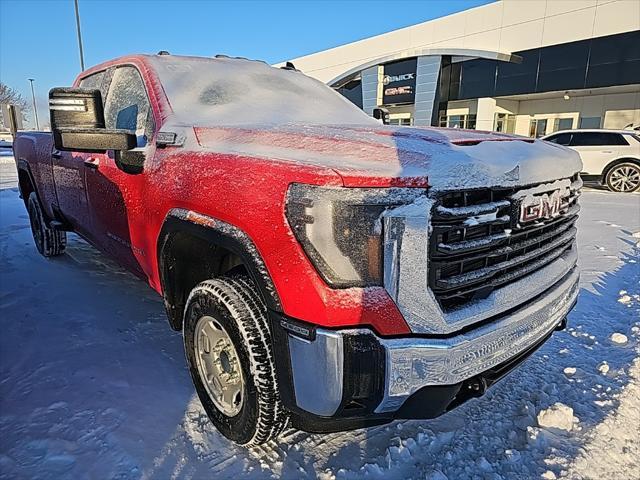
(6, 147)
(327, 272)
(610, 157)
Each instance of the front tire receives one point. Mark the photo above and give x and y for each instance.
(49, 242)
(623, 178)
(228, 348)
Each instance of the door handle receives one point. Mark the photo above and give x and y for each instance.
(57, 155)
(92, 163)
(607, 151)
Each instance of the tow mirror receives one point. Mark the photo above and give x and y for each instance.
(93, 140)
(77, 122)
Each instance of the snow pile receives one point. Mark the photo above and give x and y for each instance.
(619, 338)
(624, 298)
(557, 417)
(612, 448)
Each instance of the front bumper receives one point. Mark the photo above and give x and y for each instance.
(339, 379)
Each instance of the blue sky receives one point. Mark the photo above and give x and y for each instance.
(38, 37)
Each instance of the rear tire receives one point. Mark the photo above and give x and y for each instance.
(623, 177)
(240, 350)
(49, 242)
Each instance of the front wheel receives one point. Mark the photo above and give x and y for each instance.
(623, 178)
(228, 348)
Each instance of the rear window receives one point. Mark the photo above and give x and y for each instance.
(585, 139)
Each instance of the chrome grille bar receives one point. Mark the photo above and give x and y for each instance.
(478, 244)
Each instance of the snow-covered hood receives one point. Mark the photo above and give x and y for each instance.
(362, 155)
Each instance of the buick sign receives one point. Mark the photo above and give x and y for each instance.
(399, 82)
(398, 78)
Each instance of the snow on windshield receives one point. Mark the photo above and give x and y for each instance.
(229, 91)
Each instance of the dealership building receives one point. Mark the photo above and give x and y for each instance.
(529, 67)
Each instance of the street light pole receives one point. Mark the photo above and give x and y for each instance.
(79, 35)
(33, 97)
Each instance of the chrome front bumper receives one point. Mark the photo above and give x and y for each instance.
(414, 363)
(317, 366)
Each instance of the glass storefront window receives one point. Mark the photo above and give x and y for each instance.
(562, 124)
(504, 123)
(590, 122)
(455, 121)
(538, 127)
(459, 121)
(401, 121)
(471, 122)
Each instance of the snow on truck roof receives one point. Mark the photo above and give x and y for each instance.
(236, 91)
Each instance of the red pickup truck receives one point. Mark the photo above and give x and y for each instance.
(327, 272)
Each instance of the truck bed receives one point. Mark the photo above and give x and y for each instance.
(34, 149)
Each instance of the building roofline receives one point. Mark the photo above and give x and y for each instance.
(421, 52)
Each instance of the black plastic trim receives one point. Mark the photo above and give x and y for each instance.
(216, 233)
(362, 388)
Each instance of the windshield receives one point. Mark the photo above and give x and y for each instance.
(228, 91)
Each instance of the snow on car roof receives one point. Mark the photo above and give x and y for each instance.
(233, 91)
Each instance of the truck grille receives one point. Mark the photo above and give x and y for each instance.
(479, 240)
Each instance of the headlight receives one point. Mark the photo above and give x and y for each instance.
(340, 229)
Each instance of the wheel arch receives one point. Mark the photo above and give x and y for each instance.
(193, 247)
(615, 162)
(26, 183)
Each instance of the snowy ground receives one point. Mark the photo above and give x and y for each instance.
(93, 382)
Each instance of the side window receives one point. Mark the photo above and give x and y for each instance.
(597, 139)
(92, 81)
(560, 139)
(617, 139)
(578, 140)
(95, 81)
(127, 106)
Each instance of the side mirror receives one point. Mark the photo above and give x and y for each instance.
(77, 122)
(381, 114)
(93, 140)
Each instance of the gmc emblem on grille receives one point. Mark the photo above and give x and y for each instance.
(547, 205)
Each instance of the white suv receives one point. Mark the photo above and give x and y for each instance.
(610, 156)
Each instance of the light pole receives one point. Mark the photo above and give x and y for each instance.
(79, 35)
(33, 97)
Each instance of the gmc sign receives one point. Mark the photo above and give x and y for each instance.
(545, 206)
(399, 82)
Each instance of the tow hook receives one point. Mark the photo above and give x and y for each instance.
(562, 325)
(476, 386)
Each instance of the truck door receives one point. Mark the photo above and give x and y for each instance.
(69, 170)
(68, 176)
(116, 198)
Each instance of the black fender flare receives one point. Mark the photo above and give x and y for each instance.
(23, 165)
(216, 233)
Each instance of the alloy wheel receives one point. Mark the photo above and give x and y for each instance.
(624, 178)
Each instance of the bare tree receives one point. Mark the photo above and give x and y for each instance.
(12, 97)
